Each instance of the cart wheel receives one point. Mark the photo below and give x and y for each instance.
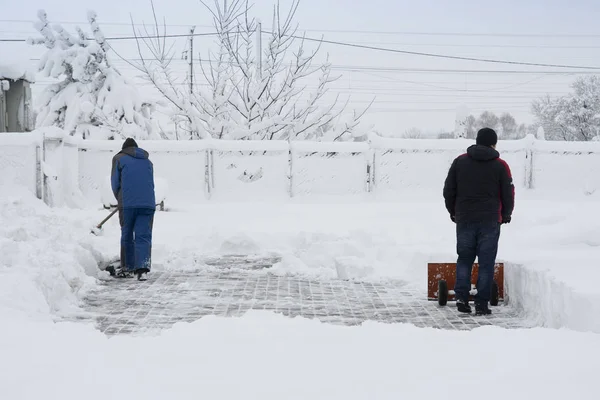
(442, 292)
(495, 294)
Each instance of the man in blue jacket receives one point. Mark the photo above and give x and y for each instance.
(132, 180)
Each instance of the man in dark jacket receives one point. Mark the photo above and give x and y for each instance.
(479, 195)
(132, 180)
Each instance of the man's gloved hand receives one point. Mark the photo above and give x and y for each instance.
(506, 219)
(453, 218)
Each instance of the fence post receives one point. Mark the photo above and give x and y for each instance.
(372, 177)
(529, 163)
(291, 169)
(39, 180)
(207, 172)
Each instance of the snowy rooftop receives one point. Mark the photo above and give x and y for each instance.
(16, 69)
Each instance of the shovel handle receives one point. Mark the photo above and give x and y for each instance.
(107, 218)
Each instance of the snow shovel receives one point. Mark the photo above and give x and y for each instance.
(98, 228)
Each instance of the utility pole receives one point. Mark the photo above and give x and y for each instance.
(192, 59)
(259, 48)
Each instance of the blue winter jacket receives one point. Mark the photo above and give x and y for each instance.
(132, 179)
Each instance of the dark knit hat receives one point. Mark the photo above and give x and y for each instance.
(129, 142)
(487, 137)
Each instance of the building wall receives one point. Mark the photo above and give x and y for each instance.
(3, 122)
(15, 105)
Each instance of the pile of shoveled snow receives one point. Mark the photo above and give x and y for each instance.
(267, 356)
(46, 262)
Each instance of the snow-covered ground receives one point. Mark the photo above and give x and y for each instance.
(264, 356)
(48, 262)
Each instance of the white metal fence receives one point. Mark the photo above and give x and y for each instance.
(198, 171)
(21, 161)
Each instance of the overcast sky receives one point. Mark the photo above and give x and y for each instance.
(409, 90)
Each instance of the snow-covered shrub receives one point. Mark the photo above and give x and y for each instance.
(92, 99)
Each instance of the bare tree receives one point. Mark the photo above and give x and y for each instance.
(471, 127)
(248, 99)
(509, 126)
(488, 119)
(413, 133)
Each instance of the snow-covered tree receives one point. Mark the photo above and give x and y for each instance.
(92, 99)
(246, 97)
(572, 117)
(461, 122)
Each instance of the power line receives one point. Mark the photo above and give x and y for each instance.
(28, 21)
(398, 33)
(354, 45)
(417, 53)
(457, 71)
(185, 35)
(358, 68)
(465, 45)
(415, 33)
(451, 110)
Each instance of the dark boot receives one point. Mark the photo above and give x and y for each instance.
(482, 309)
(122, 273)
(142, 274)
(463, 306)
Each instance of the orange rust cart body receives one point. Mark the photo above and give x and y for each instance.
(441, 278)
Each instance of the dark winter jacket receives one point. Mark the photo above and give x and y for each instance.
(479, 187)
(132, 179)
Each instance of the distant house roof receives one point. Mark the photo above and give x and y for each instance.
(16, 70)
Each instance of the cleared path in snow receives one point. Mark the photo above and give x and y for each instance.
(235, 285)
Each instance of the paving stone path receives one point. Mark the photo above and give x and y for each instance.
(232, 286)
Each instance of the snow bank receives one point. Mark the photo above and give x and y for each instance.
(550, 301)
(268, 356)
(46, 260)
(553, 250)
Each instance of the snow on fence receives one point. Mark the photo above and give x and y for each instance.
(180, 163)
(566, 167)
(197, 171)
(248, 170)
(21, 161)
(402, 167)
(319, 168)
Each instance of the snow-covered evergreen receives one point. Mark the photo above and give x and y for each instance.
(92, 99)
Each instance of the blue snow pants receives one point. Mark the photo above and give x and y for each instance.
(136, 238)
(476, 239)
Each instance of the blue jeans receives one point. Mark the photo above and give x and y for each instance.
(136, 238)
(476, 239)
